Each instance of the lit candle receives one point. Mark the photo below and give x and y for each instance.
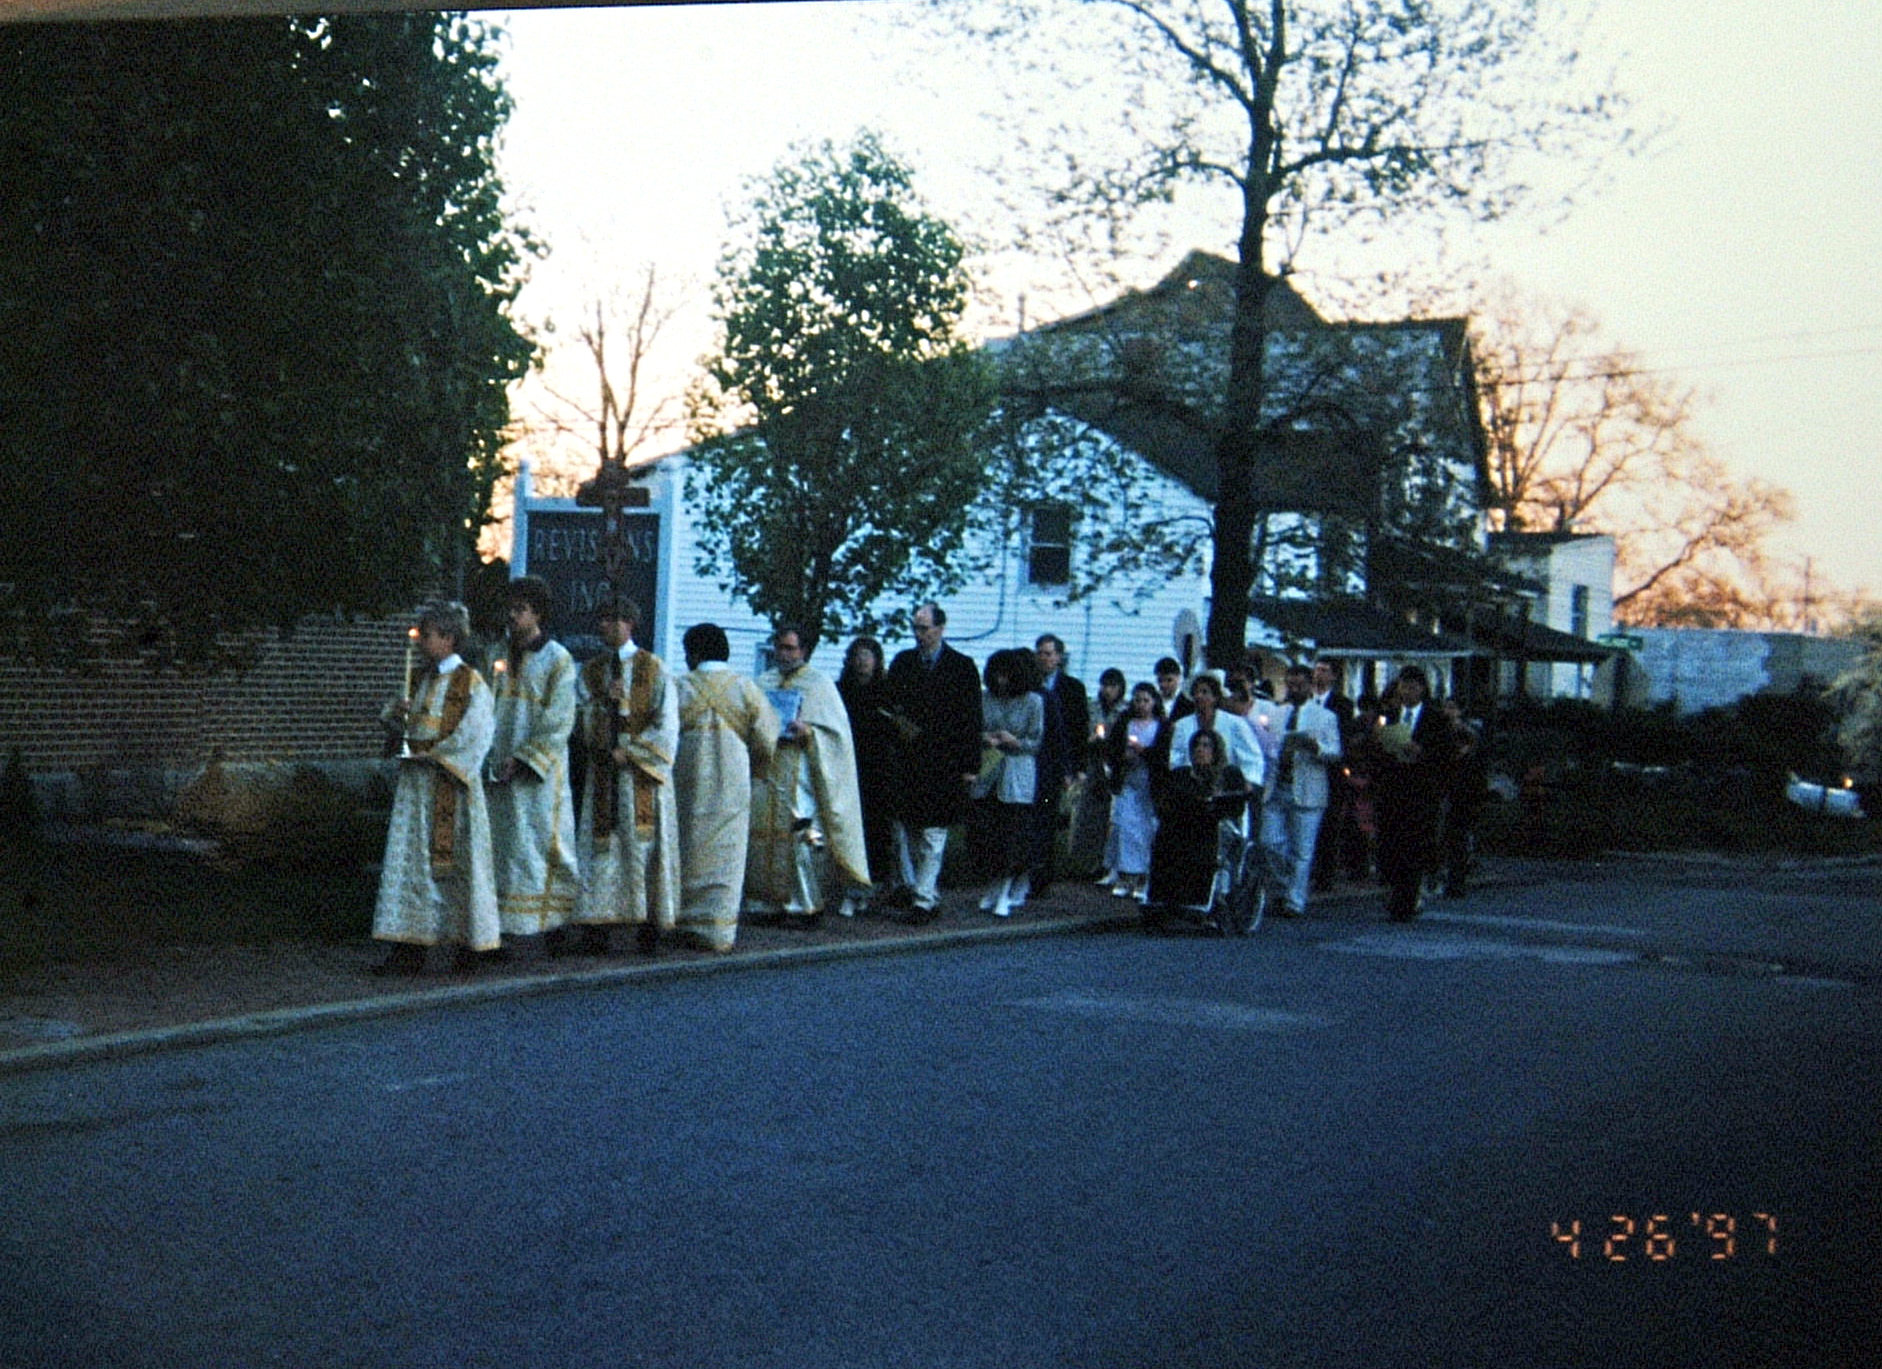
(411, 647)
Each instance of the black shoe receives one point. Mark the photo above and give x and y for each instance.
(594, 941)
(647, 939)
(920, 917)
(466, 961)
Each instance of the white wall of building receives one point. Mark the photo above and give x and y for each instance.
(1126, 625)
(1579, 573)
(1700, 668)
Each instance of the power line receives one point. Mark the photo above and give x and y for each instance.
(1567, 370)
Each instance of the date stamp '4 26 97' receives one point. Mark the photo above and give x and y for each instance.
(1661, 1237)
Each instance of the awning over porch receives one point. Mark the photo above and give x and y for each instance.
(1518, 639)
(1353, 628)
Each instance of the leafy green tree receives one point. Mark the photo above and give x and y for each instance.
(840, 427)
(255, 285)
(1313, 118)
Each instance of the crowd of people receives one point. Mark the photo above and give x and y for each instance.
(707, 797)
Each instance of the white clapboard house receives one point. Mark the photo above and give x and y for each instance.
(1371, 546)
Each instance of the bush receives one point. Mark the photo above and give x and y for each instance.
(316, 825)
(1650, 779)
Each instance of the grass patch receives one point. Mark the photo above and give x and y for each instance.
(65, 903)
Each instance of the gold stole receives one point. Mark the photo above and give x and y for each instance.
(710, 700)
(603, 739)
(444, 786)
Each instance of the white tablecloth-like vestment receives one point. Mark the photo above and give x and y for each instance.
(532, 816)
(437, 886)
(727, 731)
(630, 846)
(806, 804)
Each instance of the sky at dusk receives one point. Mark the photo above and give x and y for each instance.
(1741, 257)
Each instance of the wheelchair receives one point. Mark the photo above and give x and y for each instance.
(1221, 886)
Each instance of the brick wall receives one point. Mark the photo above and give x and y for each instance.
(312, 697)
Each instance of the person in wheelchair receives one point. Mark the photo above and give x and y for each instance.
(1201, 833)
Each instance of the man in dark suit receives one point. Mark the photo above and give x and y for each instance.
(1060, 761)
(1340, 843)
(1168, 674)
(1411, 765)
(934, 697)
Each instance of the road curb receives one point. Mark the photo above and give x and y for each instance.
(280, 1021)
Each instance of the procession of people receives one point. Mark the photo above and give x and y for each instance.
(620, 805)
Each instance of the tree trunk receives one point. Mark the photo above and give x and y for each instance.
(1232, 568)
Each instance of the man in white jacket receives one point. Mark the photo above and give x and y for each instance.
(1297, 789)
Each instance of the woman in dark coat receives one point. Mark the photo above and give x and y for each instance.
(864, 686)
(1190, 809)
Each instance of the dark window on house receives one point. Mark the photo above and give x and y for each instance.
(1049, 545)
(1578, 610)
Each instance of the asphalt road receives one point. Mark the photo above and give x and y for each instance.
(1336, 1143)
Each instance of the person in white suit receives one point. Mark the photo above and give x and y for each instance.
(1295, 799)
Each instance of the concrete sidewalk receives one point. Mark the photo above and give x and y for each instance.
(188, 996)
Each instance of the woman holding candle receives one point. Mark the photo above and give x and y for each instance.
(1134, 748)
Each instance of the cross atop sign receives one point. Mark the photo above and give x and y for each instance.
(613, 489)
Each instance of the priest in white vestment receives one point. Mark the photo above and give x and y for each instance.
(630, 724)
(807, 814)
(436, 886)
(728, 733)
(532, 811)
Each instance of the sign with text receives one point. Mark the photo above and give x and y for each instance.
(564, 548)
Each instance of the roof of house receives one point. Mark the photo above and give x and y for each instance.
(1398, 561)
(1526, 541)
(1348, 390)
(1198, 293)
(1333, 471)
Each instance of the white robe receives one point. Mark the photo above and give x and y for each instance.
(727, 731)
(532, 816)
(420, 906)
(633, 875)
(809, 787)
